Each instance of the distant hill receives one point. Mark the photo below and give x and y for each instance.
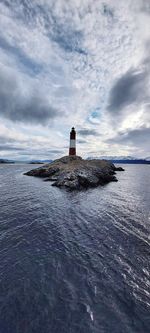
(39, 161)
(113, 159)
(138, 161)
(123, 159)
(4, 161)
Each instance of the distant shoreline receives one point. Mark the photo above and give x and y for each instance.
(134, 161)
(130, 161)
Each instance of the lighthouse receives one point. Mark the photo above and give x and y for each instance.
(72, 148)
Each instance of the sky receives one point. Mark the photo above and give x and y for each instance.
(82, 63)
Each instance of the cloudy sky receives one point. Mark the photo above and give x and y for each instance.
(82, 63)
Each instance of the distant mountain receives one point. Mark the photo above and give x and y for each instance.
(39, 161)
(134, 161)
(114, 159)
(123, 159)
(103, 157)
(4, 161)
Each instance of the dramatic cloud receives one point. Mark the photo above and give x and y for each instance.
(31, 106)
(82, 141)
(87, 132)
(145, 6)
(131, 88)
(79, 63)
(138, 138)
(10, 148)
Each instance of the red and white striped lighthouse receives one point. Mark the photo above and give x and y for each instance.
(72, 148)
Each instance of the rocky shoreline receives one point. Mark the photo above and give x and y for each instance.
(75, 173)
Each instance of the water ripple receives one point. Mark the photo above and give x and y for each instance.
(74, 262)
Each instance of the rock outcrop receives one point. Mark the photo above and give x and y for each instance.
(75, 173)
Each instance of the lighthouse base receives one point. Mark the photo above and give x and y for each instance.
(72, 151)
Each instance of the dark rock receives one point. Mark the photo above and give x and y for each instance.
(75, 173)
(44, 171)
(119, 169)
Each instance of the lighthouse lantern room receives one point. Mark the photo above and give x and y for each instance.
(72, 148)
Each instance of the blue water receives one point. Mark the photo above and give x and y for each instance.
(74, 262)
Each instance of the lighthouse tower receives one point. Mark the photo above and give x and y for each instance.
(72, 148)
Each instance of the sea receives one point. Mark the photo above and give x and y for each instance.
(74, 262)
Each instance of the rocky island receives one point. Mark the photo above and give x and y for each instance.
(75, 173)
